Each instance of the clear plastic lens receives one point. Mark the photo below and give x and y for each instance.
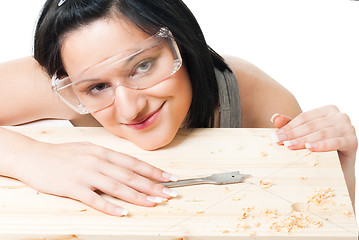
(144, 66)
(68, 94)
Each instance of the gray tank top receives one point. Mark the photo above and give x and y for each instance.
(230, 107)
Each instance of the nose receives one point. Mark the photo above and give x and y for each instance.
(129, 103)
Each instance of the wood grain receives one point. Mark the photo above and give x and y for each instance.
(234, 211)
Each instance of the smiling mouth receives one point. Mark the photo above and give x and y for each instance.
(146, 120)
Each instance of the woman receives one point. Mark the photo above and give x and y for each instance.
(142, 69)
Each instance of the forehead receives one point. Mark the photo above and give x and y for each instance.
(98, 41)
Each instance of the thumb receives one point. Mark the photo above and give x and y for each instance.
(280, 120)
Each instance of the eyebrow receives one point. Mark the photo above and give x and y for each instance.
(131, 57)
(86, 80)
(127, 60)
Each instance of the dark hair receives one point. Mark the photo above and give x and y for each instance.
(149, 15)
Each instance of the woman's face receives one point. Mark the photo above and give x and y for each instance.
(149, 118)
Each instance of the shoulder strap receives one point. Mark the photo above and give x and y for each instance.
(230, 107)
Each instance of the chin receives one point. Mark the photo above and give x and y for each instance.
(154, 145)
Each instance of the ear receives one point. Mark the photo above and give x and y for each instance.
(280, 120)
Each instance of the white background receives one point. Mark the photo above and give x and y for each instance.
(309, 46)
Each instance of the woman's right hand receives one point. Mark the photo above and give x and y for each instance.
(79, 170)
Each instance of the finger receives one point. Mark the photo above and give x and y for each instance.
(94, 200)
(341, 143)
(320, 135)
(331, 144)
(121, 191)
(135, 181)
(140, 167)
(280, 120)
(309, 116)
(314, 126)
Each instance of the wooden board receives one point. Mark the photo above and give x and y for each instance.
(234, 211)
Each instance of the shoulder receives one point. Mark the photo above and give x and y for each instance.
(261, 95)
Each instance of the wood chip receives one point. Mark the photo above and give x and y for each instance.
(265, 184)
(314, 163)
(252, 234)
(322, 197)
(242, 226)
(245, 213)
(294, 222)
(271, 213)
(348, 213)
(200, 211)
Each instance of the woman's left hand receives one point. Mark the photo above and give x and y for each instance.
(321, 130)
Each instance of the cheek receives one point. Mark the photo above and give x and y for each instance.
(182, 92)
(105, 118)
(177, 92)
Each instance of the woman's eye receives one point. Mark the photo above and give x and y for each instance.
(142, 68)
(97, 88)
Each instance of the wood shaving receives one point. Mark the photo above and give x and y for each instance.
(242, 226)
(322, 197)
(236, 198)
(263, 154)
(294, 222)
(303, 178)
(314, 163)
(277, 222)
(194, 200)
(252, 234)
(200, 211)
(265, 184)
(348, 213)
(271, 213)
(246, 212)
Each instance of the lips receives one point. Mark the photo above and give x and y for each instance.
(145, 121)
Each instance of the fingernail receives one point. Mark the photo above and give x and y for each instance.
(170, 176)
(121, 211)
(155, 199)
(290, 143)
(309, 145)
(274, 117)
(278, 137)
(169, 192)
